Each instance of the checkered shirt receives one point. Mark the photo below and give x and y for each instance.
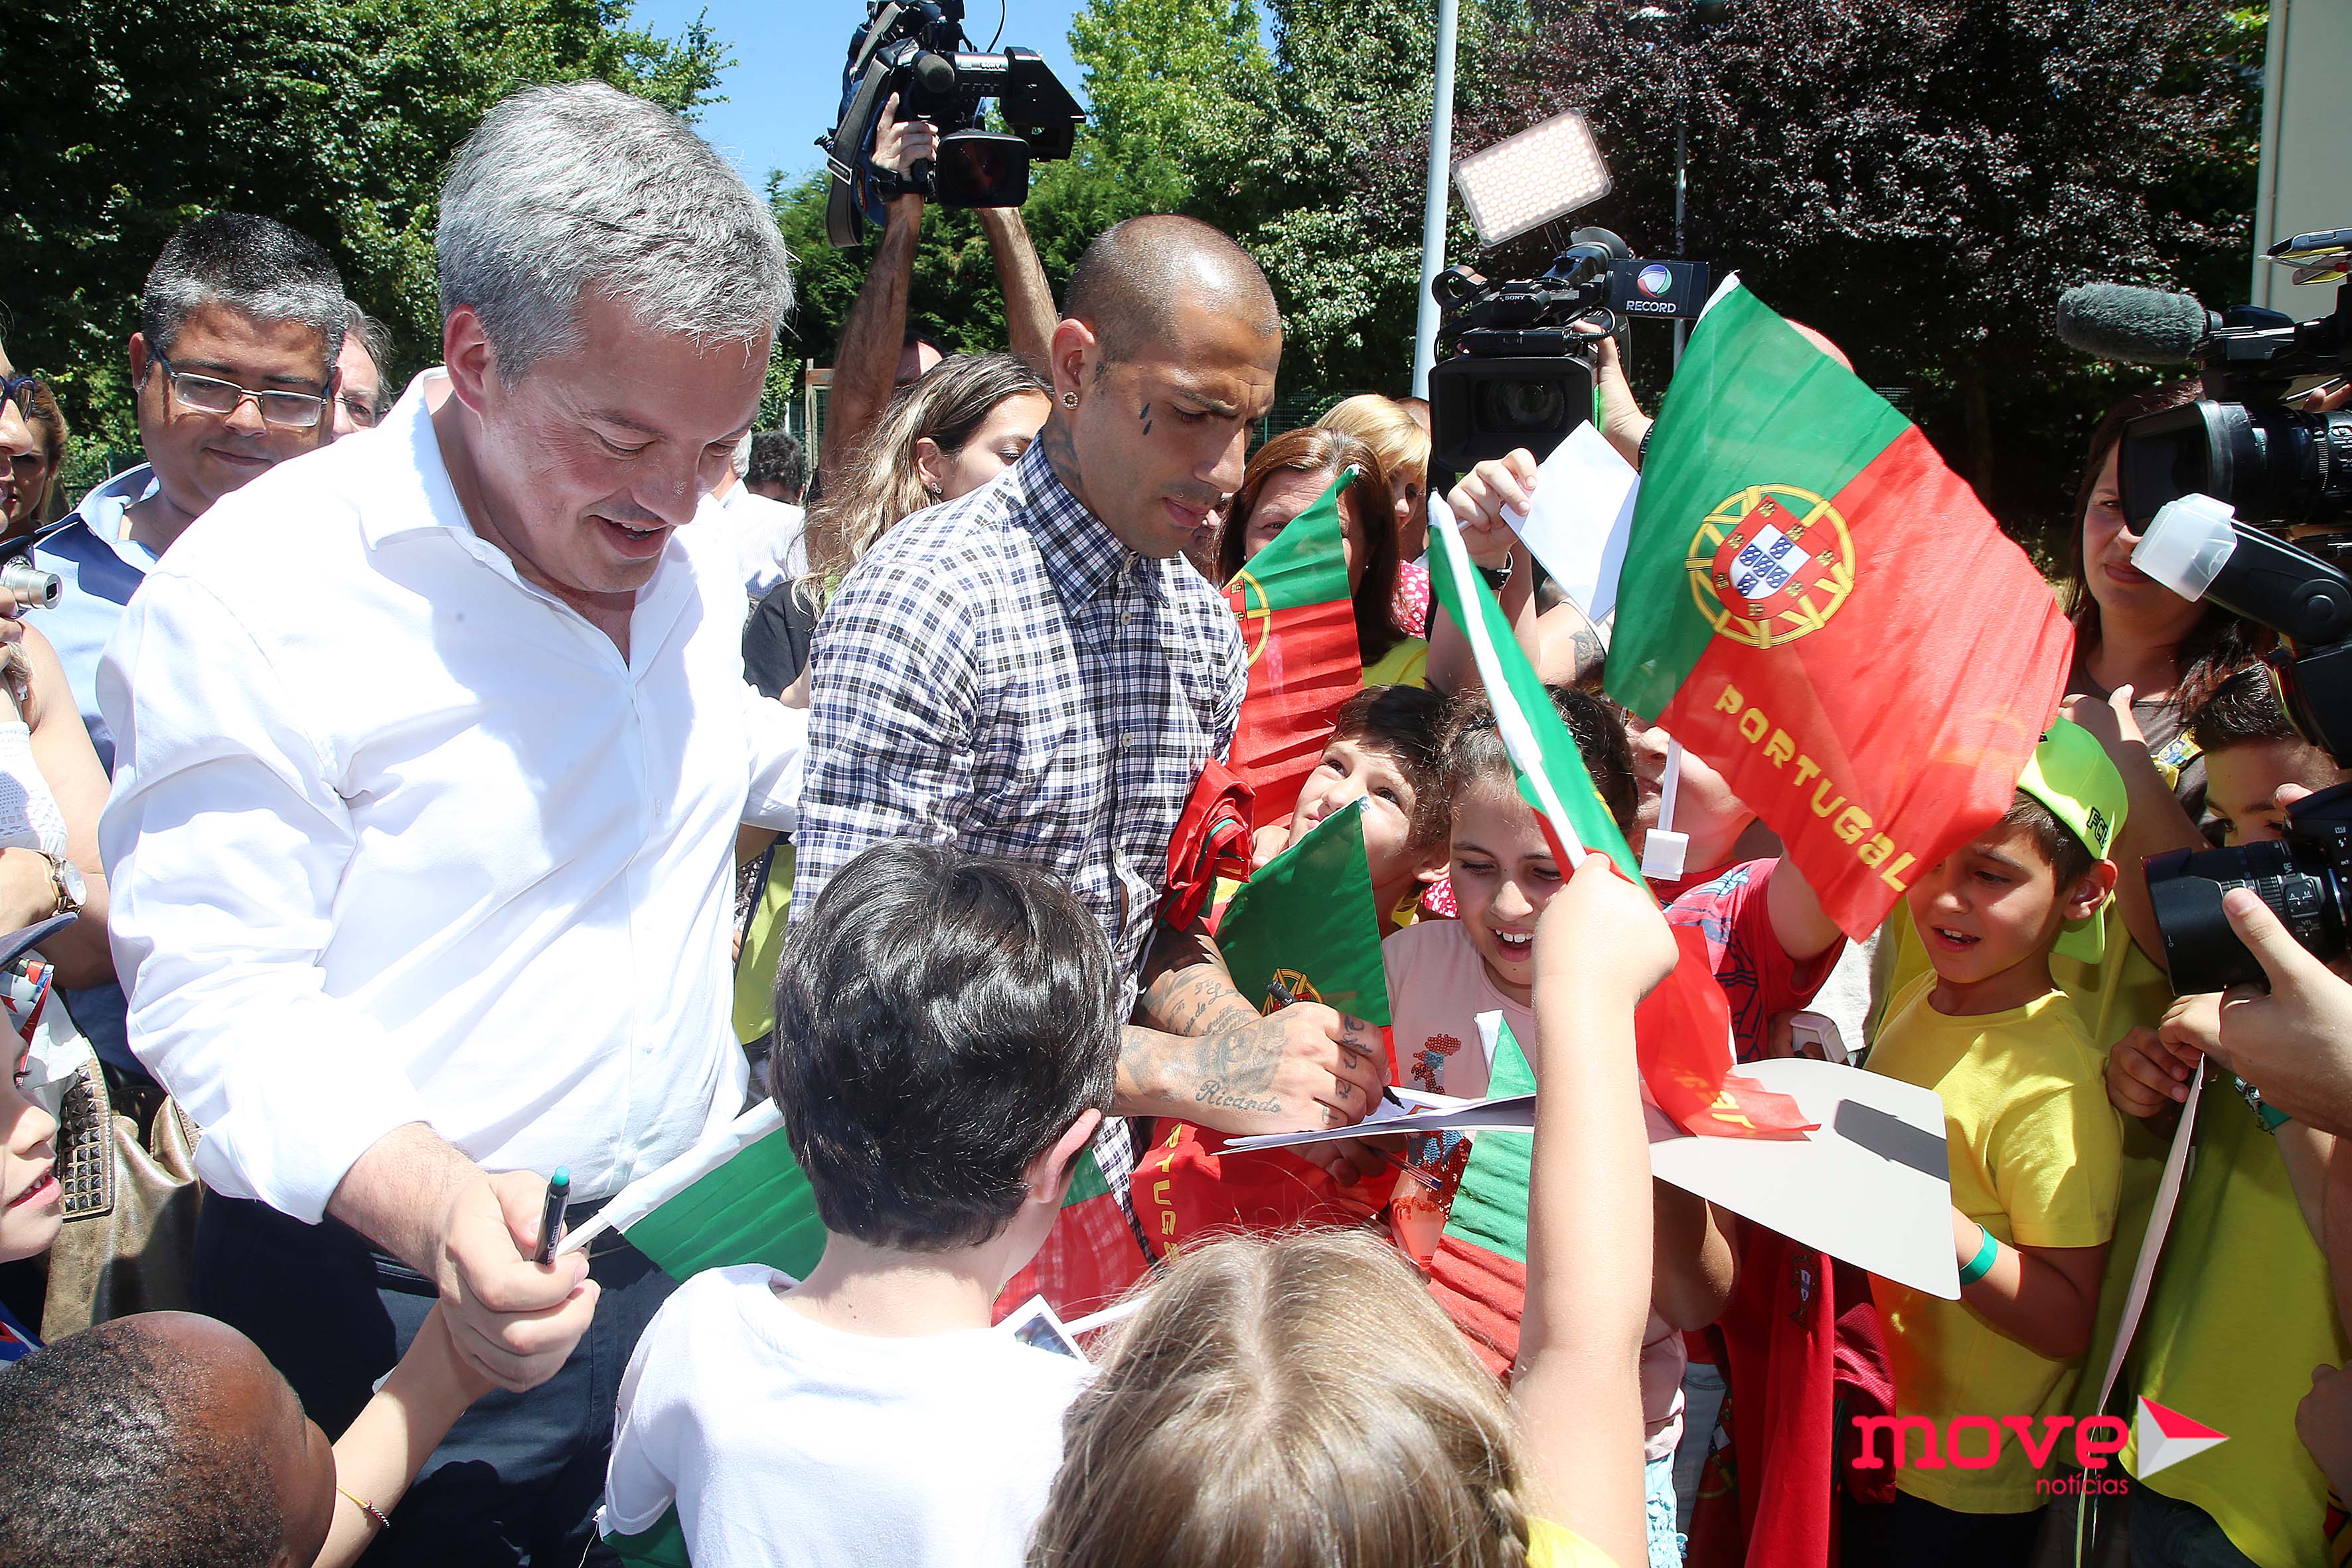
(1003, 674)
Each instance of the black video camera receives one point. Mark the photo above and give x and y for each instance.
(2239, 443)
(2306, 877)
(1522, 374)
(916, 48)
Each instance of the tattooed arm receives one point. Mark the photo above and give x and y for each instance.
(1202, 1052)
(1570, 649)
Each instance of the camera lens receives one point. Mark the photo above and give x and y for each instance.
(1515, 405)
(2297, 877)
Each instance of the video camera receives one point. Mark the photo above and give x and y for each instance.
(2193, 479)
(1524, 374)
(916, 48)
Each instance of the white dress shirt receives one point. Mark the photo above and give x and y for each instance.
(769, 538)
(396, 837)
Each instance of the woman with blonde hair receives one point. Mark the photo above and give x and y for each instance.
(1288, 475)
(1301, 1400)
(966, 421)
(1401, 444)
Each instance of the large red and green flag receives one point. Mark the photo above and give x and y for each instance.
(1681, 1030)
(1307, 923)
(1814, 602)
(739, 1196)
(1298, 623)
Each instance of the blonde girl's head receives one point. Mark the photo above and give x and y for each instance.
(1289, 1402)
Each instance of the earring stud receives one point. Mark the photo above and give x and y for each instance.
(1069, 400)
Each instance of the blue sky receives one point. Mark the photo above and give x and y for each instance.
(786, 87)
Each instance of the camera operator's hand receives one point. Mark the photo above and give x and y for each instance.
(2324, 1421)
(1622, 423)
(1479, 501)
(900, 144)
(2296, 1043)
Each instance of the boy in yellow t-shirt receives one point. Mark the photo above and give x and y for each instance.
(2035, 1152)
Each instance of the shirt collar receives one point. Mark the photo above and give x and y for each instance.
(1081, 554)
(415, 494)
(101, 512)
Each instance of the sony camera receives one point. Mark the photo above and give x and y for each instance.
(1522, 374)
(916, 49)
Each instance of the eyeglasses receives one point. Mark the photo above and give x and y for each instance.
(362, 410)
(19, 389)
(210, 394)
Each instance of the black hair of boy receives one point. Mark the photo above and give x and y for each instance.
(2244, 711)
(106, 1465)
(2070, 859)
(941, 1019)
(1474, 752)
(1408, 723)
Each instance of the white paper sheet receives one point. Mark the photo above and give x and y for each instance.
(2151, 1246)
(1581, 518)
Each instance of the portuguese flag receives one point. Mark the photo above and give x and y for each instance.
(1298, 624)
(1308, 921)
(1682, 1031)
(1814, 602)
(1479, 1274)
(739, 1196)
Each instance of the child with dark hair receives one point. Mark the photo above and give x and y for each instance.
(2035, 1154)
(947, 1035)
(1387, 749)
(1443, 973)
(167, 1440)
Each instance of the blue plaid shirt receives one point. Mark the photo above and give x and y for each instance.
(1002, 673)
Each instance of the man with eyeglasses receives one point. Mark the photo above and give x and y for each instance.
(234, 364)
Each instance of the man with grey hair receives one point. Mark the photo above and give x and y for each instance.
(232, 365)
(434, 750)
(359, 401)
(768, 536)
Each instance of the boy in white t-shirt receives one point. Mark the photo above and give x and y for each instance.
(946, 1040)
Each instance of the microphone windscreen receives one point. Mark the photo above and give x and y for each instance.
(2138, 326)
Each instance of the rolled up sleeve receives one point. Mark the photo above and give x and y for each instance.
(778, 739)
(225, 842)
(890, 730)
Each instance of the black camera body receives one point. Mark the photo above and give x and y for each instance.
(2306, 877)
(916, 49)
(1522, 374)
(2239, 443)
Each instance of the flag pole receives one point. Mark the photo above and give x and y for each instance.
(1433, 212)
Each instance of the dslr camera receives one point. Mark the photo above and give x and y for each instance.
(1522, 373)
(2195, 481)
(916, 49)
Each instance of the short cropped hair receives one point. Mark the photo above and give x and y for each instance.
(255, 266)
(1406, 723)
(1475, 754)
(941, 1018)
(2070, 859)
(581, 187)
(2244, 711)
(777, 459)
(104, 1467)
(1127, 282)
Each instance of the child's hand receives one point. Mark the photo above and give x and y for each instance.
(2324, 1421)
(433, 1355)
(1479, 501)
(2146, 1074)
(1603, 931)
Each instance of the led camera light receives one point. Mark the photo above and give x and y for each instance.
(1525, 181)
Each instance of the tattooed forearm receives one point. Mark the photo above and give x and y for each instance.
(1196, 1000)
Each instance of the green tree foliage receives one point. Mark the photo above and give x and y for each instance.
(120, 120)
(1922, 178)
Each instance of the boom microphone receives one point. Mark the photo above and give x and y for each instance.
(2138, 326)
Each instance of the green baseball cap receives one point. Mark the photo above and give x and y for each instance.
(2069, 773)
